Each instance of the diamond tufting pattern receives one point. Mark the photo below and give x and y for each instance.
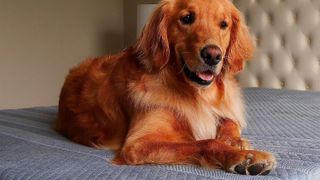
(288, 44)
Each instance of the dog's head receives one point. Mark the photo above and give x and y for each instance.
(203, 37)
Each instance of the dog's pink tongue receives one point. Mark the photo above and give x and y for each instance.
(206, 76)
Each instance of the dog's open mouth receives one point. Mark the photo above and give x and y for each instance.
(203, 78)
(206, 75)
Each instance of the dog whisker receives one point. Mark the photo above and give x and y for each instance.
(182, 68)
(186, 52)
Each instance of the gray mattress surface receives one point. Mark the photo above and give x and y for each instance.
(284, 122)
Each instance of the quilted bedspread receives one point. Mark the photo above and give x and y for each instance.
(284, 122)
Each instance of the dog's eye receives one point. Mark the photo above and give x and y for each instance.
(188, 19)
(223, 24)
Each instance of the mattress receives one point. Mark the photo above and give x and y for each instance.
(281, 121)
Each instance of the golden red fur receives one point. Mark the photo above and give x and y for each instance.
(163, 100)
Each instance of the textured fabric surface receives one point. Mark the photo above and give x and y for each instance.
(284, 122)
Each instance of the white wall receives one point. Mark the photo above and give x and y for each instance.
(130, 18)
(41, 39)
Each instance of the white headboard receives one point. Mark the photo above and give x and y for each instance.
(288, 42)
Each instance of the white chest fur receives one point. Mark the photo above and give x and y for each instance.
(203, 121)
(204, 118)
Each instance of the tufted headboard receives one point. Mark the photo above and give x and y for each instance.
(287, 36)
(288, 43)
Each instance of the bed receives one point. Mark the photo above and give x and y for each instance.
(285, 122)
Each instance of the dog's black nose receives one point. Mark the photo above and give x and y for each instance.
(211, 55)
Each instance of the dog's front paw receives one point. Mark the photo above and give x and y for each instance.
(251, 163)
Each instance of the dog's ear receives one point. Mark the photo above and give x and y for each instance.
(153, 45)
(241, 44)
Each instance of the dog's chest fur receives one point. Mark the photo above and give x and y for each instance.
(202, 112)
(201, 116)
(203, 120)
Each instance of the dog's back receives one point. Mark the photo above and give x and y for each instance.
(83, 117)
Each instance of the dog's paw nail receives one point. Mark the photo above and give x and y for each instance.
(240, 169)
(266, 172)
(256, 169)
(250, 156)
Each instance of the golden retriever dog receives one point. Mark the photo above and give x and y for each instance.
(172, 97)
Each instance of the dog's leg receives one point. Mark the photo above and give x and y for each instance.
(160, 137)
(229, 132)
(208, 153)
